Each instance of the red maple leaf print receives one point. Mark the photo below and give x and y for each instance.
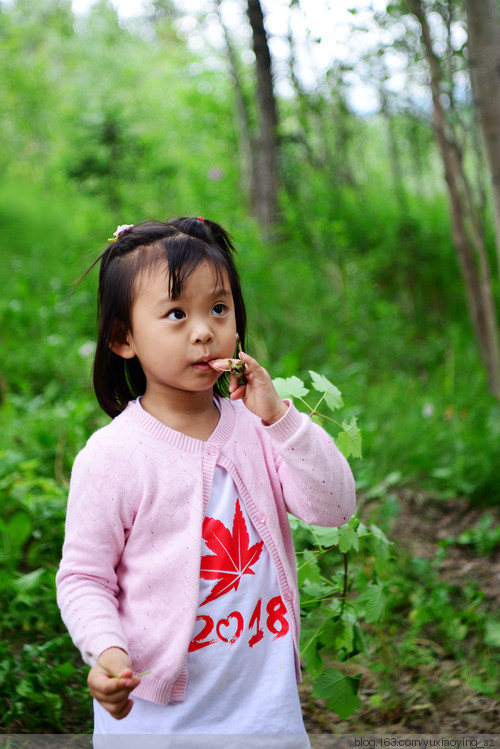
(232, 557)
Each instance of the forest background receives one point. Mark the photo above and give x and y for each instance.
(351, 268)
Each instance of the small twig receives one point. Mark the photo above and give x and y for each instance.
(109, 673)
(315, 555)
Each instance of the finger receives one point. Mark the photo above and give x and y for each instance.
(126, 710)
(126, 675)
(249, 360)
(221, 365)
(112, 689)
(123, 711)
(111, 685)
(252, 366)
(238, 393)
(118, 710)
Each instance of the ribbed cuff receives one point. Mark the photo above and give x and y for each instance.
(288, 425)
(100, 644)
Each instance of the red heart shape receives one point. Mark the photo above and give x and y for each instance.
(226, 623)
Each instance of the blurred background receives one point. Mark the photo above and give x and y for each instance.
(349, 148)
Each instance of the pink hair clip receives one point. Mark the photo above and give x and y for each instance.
(120, 230)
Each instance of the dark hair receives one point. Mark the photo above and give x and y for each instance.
(181, 243)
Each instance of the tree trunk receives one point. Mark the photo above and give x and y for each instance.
(244, 131)
(483, 29)
(467, 230)
(264, 166)
(394, 155)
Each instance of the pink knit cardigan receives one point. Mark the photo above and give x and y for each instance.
(129, 574)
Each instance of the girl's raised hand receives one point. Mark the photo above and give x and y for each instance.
(258, 393)
(111, 680)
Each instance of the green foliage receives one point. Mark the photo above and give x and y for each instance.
(331, 623)
(36, 684)
(339, 691)
(349, 437)
(336, 598)
(484, 537)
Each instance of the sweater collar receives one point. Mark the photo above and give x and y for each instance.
(163, 433)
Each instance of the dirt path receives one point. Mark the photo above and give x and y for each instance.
(456, 708)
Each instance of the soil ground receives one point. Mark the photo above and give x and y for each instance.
(421, 524)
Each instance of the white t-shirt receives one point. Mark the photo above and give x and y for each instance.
(241, 671)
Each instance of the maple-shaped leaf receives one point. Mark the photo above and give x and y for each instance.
(232, 556)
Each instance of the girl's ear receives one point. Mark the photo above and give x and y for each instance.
(120, 342)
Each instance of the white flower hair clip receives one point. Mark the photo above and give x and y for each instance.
(120, 230)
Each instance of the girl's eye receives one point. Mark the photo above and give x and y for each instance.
(219, 309)
(176, 314)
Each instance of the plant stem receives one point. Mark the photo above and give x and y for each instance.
(346, 570)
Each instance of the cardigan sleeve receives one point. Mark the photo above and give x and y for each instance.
(317, 482)
(95, 534)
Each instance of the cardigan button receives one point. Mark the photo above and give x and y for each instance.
(261, 518)
(212, 451)
(288, 594)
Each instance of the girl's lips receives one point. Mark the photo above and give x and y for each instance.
(202, 364)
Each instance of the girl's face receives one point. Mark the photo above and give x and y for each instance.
(175, 338)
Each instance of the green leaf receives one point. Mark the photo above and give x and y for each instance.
(379, 543)
(333, 396)
(308, 569)
(28, 582)
(380, 535)
(290, 387)
(340, 691)
(325, 537)
(311, 631)
(359, 644)
(482, 687)
(339, 633)
(348, 539)
(13, 534)
(65, 670)
(362, 529)
(311, 591)
(334, 635)
(373, 600)
(348, 440)
(492, 634)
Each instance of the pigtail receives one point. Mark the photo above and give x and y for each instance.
(206, 230)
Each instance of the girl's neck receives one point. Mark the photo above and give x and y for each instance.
(192, 414)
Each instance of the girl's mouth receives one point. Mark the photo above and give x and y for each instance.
(204, 365)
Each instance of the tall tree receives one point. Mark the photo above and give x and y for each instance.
(244, 130)
(483, 27)
(264, 162)
(468, 232)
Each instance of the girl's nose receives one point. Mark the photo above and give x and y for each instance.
(202, 333)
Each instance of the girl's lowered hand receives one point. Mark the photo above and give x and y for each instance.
(258, 394)
(113, 691)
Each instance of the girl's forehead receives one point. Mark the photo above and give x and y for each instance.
(205, 275)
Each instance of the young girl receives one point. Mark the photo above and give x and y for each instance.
(178, 558)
